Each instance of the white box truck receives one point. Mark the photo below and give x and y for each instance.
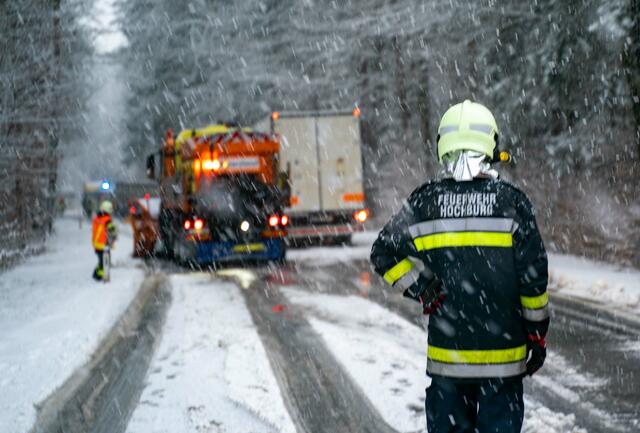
(321, 151)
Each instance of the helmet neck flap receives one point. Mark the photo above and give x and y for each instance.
(466, 165)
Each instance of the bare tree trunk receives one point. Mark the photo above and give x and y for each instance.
(632, 67)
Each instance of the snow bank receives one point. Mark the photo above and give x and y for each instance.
(385, 356)
(606, 284)
(540, 419)
(211, 372)
(327, 255)
(53, 316)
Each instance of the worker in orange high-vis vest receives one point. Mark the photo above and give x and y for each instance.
(104, 234)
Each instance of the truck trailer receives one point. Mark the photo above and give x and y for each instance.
(222, 195)
(321, 152)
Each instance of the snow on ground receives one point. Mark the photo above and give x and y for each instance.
(327, 255)
(561, 377)
(610, 285)
(53, 316)
(606, 284)
(210, 372)
(386, 357)
(540, 419)
(383, 353)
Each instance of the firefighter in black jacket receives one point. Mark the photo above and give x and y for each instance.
(467, 248)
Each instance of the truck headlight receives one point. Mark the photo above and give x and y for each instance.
(244, 226)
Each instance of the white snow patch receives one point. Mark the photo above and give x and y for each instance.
(564, 373)
(210, 372)
(110, 37)
(384, 354)
(53, 316)
(326, 255)
(606, 284)
(560, 377)
(540, 419)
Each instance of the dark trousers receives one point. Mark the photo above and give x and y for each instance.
(98, 272)
(488, 406)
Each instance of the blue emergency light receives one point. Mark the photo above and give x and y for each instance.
(105, 185)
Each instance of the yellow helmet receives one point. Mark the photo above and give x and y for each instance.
(467, 126)
(106, 207)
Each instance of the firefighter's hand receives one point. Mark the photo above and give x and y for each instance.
(536, 353)
(427, 292)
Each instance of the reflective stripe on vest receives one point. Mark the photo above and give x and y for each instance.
(501, 225)
(476, 363)
(407, 280)
(535, 308)
(463, 232)
(463, 239)
(398, 271)
(497, 356)
(100, 232)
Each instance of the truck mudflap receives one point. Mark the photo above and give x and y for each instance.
(324, 230)
(266, 249)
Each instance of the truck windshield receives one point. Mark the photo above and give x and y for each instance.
(237, 197)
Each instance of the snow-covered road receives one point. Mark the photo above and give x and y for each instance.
(211, 372)
(317, 345)
(53, 317)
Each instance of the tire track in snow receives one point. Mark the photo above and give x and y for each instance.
(320, 396)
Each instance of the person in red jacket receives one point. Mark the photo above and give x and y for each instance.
(103, 235)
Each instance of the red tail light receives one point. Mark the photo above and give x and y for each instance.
(187, 225)
(361, 215)
(198, 224)
(132, 210)
(274, 220)
(284, 220)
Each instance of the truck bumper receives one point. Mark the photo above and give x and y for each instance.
(266, 249)
(323, 231)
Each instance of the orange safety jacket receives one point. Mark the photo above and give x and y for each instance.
(100, 236)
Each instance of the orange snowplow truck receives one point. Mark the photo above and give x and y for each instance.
(222, 195)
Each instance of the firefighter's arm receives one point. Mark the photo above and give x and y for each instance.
(390, 259)
(532, 270)
(112, 231)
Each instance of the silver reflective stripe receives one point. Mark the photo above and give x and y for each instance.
(536, 315)
(487, 129)
(448, 129)
(503, 225)
(407, 280)
(476, 370)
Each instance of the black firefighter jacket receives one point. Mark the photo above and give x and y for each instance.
(481, 239)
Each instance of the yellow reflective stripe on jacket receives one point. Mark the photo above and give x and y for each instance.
(398, 271)
(535, 302)
(463, 239)
(499, 356)
(96, 243)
